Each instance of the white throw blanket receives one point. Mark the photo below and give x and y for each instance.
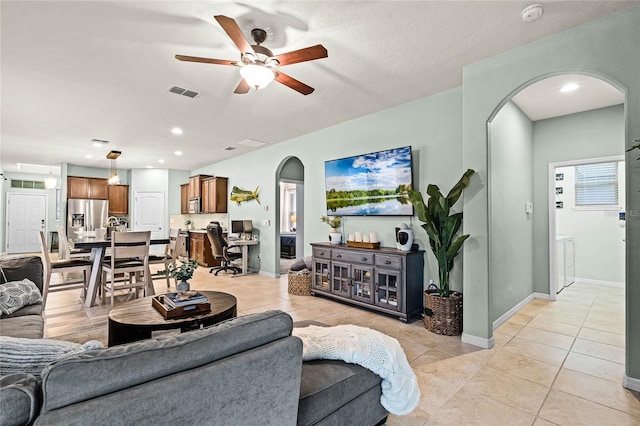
(371, 349)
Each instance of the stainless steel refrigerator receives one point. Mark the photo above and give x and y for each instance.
(84, 217)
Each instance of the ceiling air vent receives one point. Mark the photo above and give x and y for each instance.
(184, 92)
(252, 143)
(229, 148)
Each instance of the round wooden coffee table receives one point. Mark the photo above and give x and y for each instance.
(135, 320)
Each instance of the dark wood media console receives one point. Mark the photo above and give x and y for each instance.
(384, 280)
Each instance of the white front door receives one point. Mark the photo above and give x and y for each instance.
(150, 214)
(27, 214)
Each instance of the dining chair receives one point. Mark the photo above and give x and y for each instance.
(63, 267)
(220, 250)
(130, 256)
(64, 248)
(170, 256)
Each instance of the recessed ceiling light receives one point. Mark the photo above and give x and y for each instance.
(176, 131)
(569, 87)
(161, 161)
(532, 12)
(178, 152)
(88, 156)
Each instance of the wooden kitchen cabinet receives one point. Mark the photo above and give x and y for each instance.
(184, 198)
(195, 185)
(91, 188)
(200, 249)
(118, 199)
(214, 195)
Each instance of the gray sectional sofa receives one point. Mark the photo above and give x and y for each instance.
(26, 322)
(245, 371)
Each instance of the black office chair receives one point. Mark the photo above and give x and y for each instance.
(220, 250)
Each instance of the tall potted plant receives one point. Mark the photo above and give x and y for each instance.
(443, 307)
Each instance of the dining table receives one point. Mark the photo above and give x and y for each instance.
(98, 248)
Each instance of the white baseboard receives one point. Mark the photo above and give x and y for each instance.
(511, 312)
(631, 383)
(267, 274)
(481, 342)
(600, 282)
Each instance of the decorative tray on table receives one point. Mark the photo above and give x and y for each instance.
(360, 244)
(169, 312)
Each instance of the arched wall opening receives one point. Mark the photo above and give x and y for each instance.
(289, 217)
(525, 135)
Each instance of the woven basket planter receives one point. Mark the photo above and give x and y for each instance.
(299, 282)
(443, 315)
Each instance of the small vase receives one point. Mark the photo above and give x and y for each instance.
(183, 286)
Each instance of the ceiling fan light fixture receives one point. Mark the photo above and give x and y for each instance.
(257, 76)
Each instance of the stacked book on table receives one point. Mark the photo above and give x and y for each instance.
(191, 297)
(181, 304)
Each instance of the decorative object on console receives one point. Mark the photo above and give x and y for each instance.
(241, 195)
(335, 237)
(404, 237)
(257, 63)
(441, 226)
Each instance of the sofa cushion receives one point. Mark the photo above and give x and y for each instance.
(18, 294)
(27, 326)
(327, 385)
(27, 310)
(21, 355)
(155, 358)
(19, 267)
(20, 402)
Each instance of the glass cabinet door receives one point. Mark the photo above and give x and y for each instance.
(340, 278)
(321, 275)
(362, 284)
(388, 287)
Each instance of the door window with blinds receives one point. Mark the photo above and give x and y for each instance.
(597, 185)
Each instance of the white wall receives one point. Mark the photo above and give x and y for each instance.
(598, 239)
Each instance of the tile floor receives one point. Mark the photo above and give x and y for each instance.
(553, 363)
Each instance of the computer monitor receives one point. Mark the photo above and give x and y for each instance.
(237, 226)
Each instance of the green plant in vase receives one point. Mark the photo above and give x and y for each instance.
(334, 222)
(182, 273)
(441, 226)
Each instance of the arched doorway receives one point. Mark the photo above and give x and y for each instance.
(521, 147)
(290, 212)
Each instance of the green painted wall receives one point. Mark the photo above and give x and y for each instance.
(608, 48)
(511, 175)
(590, 134)
(431, 126)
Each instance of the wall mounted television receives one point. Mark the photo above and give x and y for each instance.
(373, 184)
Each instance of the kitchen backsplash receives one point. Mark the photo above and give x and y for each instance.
(198, 221)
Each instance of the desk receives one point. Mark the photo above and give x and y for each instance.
(98, 247)
(245, 252)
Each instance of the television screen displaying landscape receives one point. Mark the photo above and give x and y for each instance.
(373, 184)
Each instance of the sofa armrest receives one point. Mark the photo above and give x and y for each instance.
(19, 399)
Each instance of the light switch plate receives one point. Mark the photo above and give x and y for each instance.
(528, 207)
(266, 222)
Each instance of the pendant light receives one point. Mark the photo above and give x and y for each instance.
(50, 182)
(114, 179)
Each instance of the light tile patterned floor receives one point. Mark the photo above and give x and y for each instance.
(554, 362)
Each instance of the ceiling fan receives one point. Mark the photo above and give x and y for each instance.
(258, 65)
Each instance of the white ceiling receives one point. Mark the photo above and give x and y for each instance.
(78, 70)
(544, 99)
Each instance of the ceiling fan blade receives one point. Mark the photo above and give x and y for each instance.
(235, 33)
(307, 54)
(205, 60)
(243, 87)
(291, 82)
